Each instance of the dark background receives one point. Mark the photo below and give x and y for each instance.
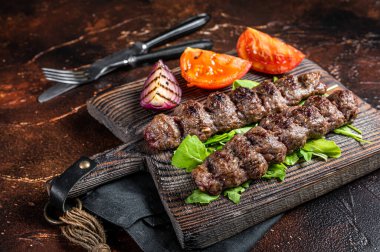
(38, 141)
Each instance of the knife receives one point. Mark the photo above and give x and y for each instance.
(126, 56)
(133, 61)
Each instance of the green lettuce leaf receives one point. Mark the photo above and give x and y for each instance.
(244, 83)
(346, 131)
(234, 194)
(220, 138)
(321, 155)
(190, 153)
(307, 155)
(354, 128)
(291, 159)
(197, 196)
(322, 146)
(277, 171)
(275, 78)
(244, 129)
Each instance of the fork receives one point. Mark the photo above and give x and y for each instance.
(95, 71)
(130, 56)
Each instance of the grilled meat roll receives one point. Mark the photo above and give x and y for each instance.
(224, 112)
(247, 156)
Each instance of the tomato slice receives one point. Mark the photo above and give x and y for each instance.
(210, 70)
(267, 54)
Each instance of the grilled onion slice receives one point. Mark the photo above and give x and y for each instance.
(161, 90)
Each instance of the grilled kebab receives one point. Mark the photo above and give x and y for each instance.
(247, 156)
(224, 112)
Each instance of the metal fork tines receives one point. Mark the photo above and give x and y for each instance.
(74, 77)
(139, 53)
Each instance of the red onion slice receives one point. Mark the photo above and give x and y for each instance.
(161, 90)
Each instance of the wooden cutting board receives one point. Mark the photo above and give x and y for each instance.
(198, 226)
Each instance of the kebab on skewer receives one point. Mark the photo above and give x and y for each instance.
(223, 112)
(247, 156)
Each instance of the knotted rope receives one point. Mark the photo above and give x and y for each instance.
(81, 228)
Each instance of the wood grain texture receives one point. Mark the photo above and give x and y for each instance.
(198, 226)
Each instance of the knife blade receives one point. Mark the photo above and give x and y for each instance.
(140, 48)
(54, 91)
(171, 52)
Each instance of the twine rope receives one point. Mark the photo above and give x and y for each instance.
(84, 229)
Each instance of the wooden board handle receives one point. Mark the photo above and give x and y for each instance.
(110, 165)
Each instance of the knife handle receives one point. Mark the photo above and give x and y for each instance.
(186, 27)
(88, 173)
(171, 52)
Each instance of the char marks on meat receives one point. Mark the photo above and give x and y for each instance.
(309, 118)
(346, 102)
(162, 132)
(248, 104)
(194, 120)
(225, 167)
(205, 180)
(251, 153)
(270, 97)
(251, 161)
(223, 112)
(333, 116)
(293, 136)
(294, 89)
(267, 144)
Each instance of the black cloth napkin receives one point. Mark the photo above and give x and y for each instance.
(133, 204)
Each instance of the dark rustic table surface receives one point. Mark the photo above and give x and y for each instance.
(38, 141)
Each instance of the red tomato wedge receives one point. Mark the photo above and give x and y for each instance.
(210, 70)
(267, 54)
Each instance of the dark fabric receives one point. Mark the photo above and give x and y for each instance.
(133, 203)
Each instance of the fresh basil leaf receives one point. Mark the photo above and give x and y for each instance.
(277, 171)
(307, 155)
(244, 83)
(197, 196)
(323, 146)
(234, 194)
(275, 78)
(291, 159)
(190, 153)
(346, 131)
(302, 103)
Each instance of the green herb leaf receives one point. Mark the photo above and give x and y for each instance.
(244, 83)
(321, 155)
(197, 196)
(302, 103)
(217, 141)
(327, 147)
(225, 137)
(234, 194)
(354, 128)
(190, 153)
(275, 78)
(244, 129)
(277, 171)
(346, 131)
(291, 159)
(307, 155)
